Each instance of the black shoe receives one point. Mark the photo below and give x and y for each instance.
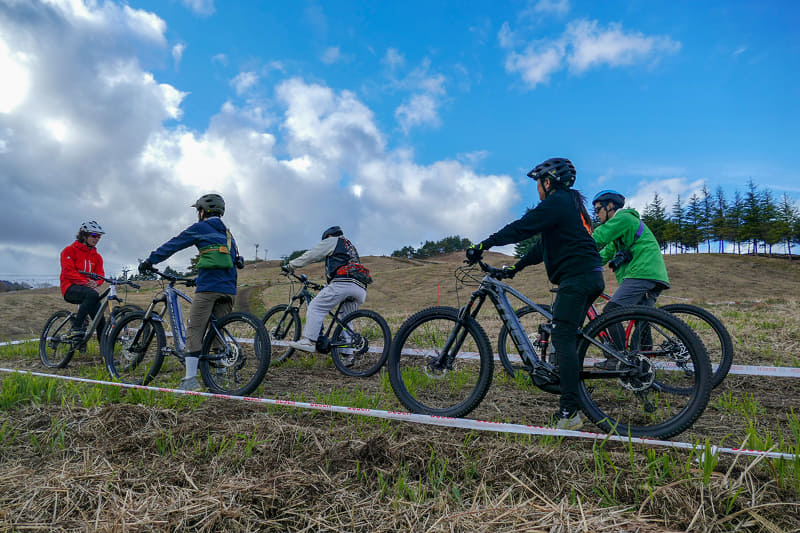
(76, 334)
(608, 364)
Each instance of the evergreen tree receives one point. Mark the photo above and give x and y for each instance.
(706, 230)
(718, 216)
(786, 222)
(751, 216)
(734, 221)
(655, 216)
(692, 232)
(768, 233)
(675, 225)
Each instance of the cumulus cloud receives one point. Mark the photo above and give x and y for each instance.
(91, 134)
(244, 81)
(583, 45)
(426, 93)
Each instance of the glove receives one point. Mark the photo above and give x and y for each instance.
(474, 253)
(287, 268)
(239, 262)
(510, 272)
(145, 267)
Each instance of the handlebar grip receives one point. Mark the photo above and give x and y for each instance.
(134, 285)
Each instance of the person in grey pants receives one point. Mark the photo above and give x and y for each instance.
(340, 257)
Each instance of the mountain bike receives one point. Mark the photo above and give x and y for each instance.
(56, 347)
(713, 334)
(359, 344)
(235, 354)
(441, 362)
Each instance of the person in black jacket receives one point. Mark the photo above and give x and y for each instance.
(572, 262)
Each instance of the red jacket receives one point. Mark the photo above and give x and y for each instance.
(78, 256)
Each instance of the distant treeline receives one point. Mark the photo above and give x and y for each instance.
(453, 243)
(8, 286)
(747, 222)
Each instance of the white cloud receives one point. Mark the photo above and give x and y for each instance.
(419, 109)
(287, 167)
(201, 7)
(555, 7)
(393, 59)
(583, 45)
(592, 45)
(177, 53)
(331, 55)
(244, 81)
(16, 78)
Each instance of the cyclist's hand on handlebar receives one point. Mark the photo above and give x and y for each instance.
(509, 271)
(92, 284)
(475, 253)
(287, 269)
(191, 282)
(145, 267)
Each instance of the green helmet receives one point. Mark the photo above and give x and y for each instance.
(212, 204)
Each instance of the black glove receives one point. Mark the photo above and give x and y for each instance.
(474, 253)
(510, 272)
(620, 258)
(145, 267)
(239, 262)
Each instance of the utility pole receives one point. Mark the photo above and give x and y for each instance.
(254, 264)
(125, 273)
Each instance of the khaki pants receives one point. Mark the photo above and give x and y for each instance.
(203, 304)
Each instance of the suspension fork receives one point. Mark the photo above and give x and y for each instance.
(456, 338)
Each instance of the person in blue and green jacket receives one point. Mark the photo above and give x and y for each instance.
(216, 275)
(632, 253)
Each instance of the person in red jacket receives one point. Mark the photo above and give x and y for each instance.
(78, 288)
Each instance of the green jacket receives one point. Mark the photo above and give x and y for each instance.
(619, 233)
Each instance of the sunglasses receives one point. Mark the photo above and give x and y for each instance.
(598, 209)
(96, 235)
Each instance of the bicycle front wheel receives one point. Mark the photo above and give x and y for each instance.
(134, 350)
(236, 355)
(712, 332)
(55, 351)
(283, 325)
(439, 364)
(361, 343)
(661, 386)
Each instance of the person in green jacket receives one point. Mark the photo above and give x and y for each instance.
(633, 254)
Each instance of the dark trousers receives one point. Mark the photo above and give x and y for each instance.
(575, 295)
(88, 301)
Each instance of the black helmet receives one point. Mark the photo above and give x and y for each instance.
(557, 169)
(212, 204)
(610, 196)
(333, 231)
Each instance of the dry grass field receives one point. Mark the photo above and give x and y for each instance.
(78, 457)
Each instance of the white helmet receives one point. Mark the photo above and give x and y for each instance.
(90, 226)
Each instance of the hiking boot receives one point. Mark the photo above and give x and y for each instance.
(571, 421)
(304, 345)
(189, 384)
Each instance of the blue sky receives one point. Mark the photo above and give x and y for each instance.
(400, 121)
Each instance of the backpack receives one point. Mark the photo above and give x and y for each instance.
(357, 271)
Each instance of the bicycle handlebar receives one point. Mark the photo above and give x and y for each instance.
(111, 281)
(189, 282)
(302, 278)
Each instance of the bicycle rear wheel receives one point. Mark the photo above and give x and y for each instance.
(282, 326)
(712, 332)
(440, 365)
(134, 351)
(661, 387)
(236, 355)
(55, 351)
(361, 343)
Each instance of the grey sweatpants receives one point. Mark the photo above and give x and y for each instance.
(332, 295)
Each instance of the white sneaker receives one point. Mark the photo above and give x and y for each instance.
(189, 384)
(304, 345)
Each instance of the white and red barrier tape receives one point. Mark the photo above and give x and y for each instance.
(462, 423)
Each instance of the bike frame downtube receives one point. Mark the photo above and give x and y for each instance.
(176, 317)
